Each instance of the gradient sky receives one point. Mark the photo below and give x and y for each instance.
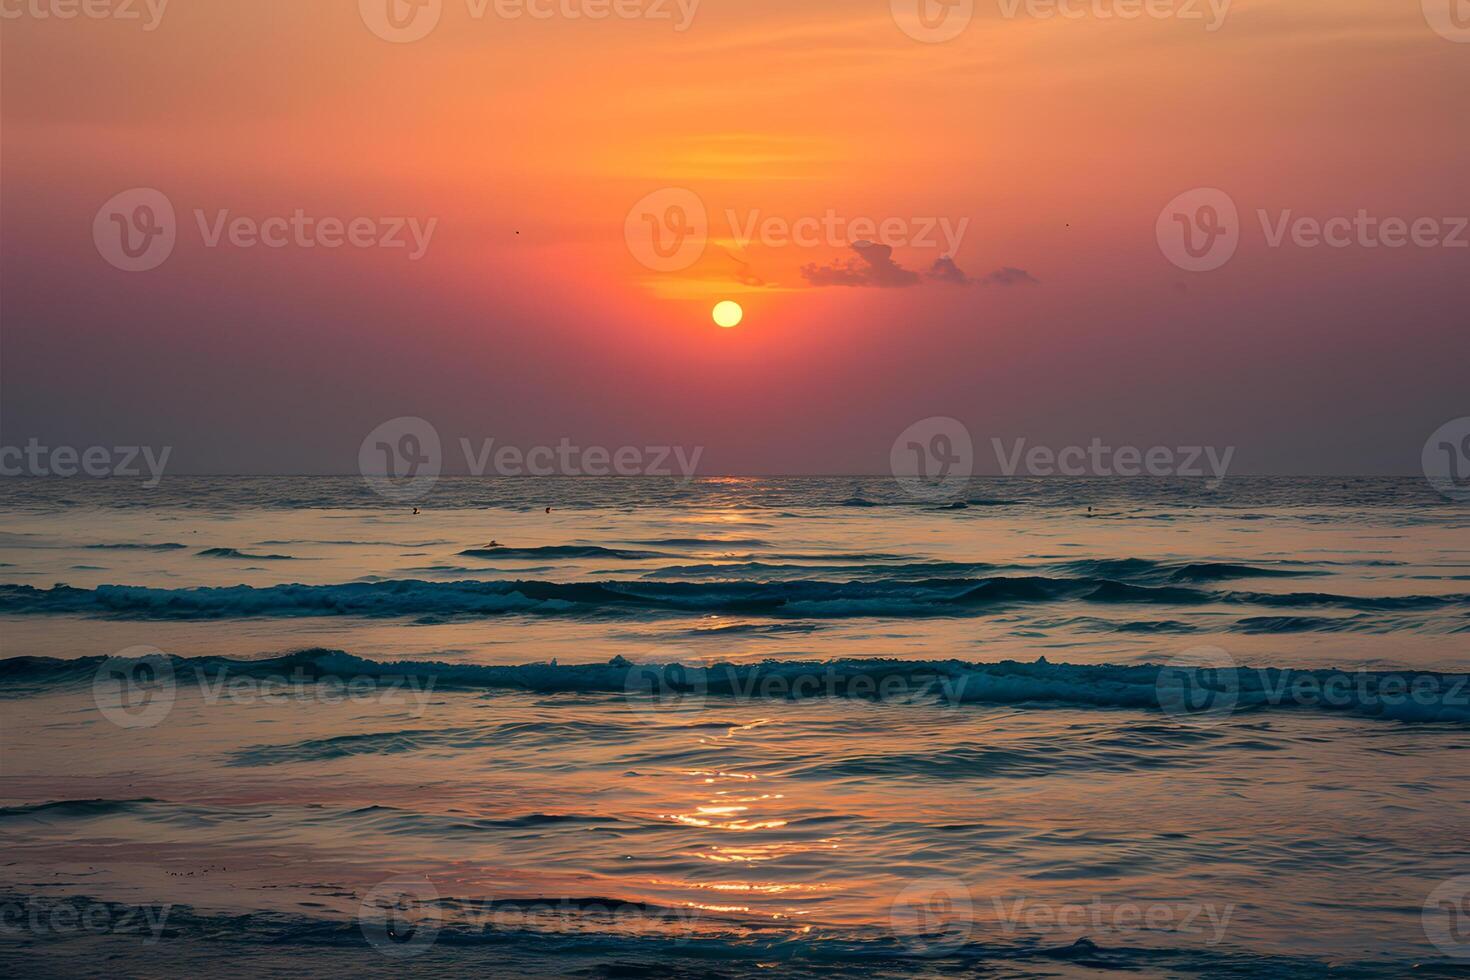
(530, 320)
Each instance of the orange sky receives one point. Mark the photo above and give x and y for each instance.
(1055, 140)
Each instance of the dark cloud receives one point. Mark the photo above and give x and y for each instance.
(945, 270)
(874, 266)
(1010, 276)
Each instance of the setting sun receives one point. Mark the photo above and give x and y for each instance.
(728, 314)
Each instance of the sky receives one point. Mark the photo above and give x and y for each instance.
(977, 227)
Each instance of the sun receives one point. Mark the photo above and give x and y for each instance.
(728, 314)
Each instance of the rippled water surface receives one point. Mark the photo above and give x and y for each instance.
(736, 727)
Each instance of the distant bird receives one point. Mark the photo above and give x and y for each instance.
(548, 510)
(415, 511)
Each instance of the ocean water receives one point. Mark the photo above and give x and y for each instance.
(736, 727)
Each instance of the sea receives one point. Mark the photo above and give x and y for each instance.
(734, 727)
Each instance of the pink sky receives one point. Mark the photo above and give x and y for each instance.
(529, 318)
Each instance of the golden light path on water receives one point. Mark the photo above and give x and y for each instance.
(749, 817)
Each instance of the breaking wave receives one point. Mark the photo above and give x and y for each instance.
(1178, 690)
(803, 597)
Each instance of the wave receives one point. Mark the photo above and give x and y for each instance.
(1135, 570)
(1298, 624)
(705, 542)
(1162, 572)
(1119, 592)
(1222, 571)
(977, 502)
(236, 553)
(346, 746)
(339, 542)
(1419, 696)
(806, 598)
(563, 551)
(1098, 625)
(768, 570)
(165, 546)
(590, 935)
(73, 808)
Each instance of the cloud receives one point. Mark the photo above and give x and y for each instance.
(1010, 276)
(874, 266)
(945, 270)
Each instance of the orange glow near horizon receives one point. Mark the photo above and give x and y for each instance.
(1043, 146)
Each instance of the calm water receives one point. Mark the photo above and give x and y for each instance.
(737, 727)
